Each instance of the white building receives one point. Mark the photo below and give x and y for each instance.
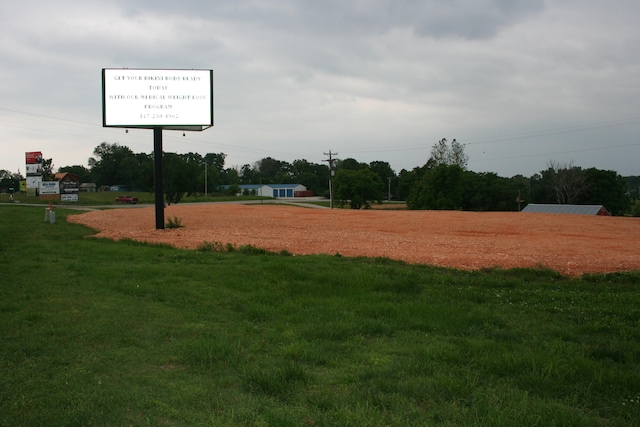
(278, 191)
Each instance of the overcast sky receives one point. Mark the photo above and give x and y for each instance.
(520, 82)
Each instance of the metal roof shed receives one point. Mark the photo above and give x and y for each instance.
(567, 209)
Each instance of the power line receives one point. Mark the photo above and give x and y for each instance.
(93, 127)
(557, 131)
(524, 156)
(517, 136)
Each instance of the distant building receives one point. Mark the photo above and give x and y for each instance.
(69, 186)
(567, 209)
(278, 191)
(88, 187)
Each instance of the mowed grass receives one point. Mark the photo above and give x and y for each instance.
(106, 198)
(103, 333)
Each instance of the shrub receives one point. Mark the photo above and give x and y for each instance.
(174, 222)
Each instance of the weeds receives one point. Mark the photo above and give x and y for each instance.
(174, 222)
(243, 249)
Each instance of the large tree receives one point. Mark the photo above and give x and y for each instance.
(10, 180)
(177, 177)
(272, 171)
(357, 187)
(108, 166)
(440, 188)
(489, 192)
(443, 153)
(387, 177)
(80, 171)
(606, 188)
(314, 176)
(438, 184)
(569, 182)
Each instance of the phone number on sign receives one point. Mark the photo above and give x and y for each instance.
(159, 116)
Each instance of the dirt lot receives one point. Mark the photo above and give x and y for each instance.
(570, 244)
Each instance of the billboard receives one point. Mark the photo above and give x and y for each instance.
(34, 168)
(151, 98)
(49, 187)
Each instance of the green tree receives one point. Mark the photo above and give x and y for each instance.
(489, 192)
(443, 153)
(542, 188)
(249, 175)
(83, 173)
(10, 180)
(440, 188)
(231, 176)
(408, 181)
(359, 187)
(633, 185)
(606, 188)
(438, 184)
(176, 176)
(144, 178)
(107, 165)
(272, 171)
(387, 177)
(314, 176)
(351, 164)
(47, 170)
(193, 174)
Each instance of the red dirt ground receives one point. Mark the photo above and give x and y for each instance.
(570, 244)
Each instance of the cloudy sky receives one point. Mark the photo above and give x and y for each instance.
(520, 82)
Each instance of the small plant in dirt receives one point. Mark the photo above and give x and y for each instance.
(174, 222)
(216, 247)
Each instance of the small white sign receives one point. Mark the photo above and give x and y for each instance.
(69, 197)
(49, 187)
(33, 181)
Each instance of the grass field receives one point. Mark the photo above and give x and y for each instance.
(105, 198)
(103, 333)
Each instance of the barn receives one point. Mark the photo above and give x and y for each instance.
(567, 209)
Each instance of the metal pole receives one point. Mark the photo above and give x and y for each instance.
(205, 179)
(330, 193)
(157, 160)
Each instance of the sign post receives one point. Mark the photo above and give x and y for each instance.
(158, 99)
(157, 171)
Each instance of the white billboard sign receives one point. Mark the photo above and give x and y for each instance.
(151, 98)
(69, 197)
(49, 187)
(33, 181)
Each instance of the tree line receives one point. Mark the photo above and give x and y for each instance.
(443, 182)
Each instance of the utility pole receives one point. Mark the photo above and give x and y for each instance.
(332, 171)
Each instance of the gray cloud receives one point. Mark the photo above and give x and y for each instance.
(374, 80)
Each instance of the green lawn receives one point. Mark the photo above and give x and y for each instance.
(108, 198)
(105, 333)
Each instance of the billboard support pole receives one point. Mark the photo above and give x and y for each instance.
(157, 160)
